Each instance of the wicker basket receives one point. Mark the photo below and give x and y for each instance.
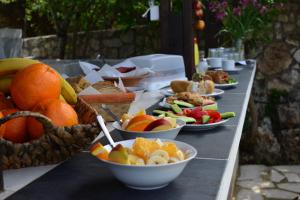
(56, 145)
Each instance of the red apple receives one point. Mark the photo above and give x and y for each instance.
(159, 125)
(197, 5)
(199, 13)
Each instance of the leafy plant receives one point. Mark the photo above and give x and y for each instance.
(247, 20)
(85, 15)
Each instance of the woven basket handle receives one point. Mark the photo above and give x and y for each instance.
(47, 124)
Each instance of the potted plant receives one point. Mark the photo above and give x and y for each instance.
(245, 20)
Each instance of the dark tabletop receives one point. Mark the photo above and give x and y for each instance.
(84, 177)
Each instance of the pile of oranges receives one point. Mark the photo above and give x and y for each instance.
(35, 88)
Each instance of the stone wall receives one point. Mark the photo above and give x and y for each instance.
(276, 95)
(109, 43)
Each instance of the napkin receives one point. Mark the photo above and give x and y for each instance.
(88, 67)
(89, 90)
(111, 71)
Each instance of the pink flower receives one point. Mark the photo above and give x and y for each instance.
(244, 3)
(237, 11)
(263, 10)
(220, 16)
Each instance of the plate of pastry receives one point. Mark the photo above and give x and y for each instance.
(205, 88)
(187, 100)
(221, 79)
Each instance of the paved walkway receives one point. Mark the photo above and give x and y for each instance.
(259, 182)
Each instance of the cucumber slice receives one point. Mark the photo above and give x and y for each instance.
(162, 115)
(170, 114)
(183, 103)
(227, 115)
(159, 112)
(176, 109)
(187, 119)
(205, 119)
(211, 107)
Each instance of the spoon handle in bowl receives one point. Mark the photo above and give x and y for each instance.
(106, 132)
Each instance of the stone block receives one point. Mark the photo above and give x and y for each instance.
(127, 37)
(255, 184)
(248, 195)
(251, 172)
(279, 194)
(283, 18)
(292, 187)
(289, 27)
(289, 115)
(126, 51)
(276, 58)
(114, 42)
(292, 177)
(297, 55)
(292, 77)
(276, 176)
(277, 84)
(288, 168)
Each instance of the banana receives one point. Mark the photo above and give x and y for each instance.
(68, 92)
(12, 65)
(173, 160)
(135, 160)
(161, 153)
(159, 142)
(180, 155)
(62, 98)
(156, 160)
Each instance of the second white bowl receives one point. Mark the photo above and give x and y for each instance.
(170, 134)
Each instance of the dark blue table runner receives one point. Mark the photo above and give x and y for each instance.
(84, 177)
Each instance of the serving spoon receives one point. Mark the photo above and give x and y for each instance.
(105, 131)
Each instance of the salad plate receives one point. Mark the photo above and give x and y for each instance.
(202, 127)
(165, 104)
(217, 92)
(226, 85)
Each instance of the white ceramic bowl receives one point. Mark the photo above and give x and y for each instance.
(150, 177)
(167, 134)
(215, 62)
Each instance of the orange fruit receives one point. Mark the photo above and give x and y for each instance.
(140, 122)
(171, 148)
(34, 84)
(143, 147)
(200, 25)
(4, 102)
(2, 126)
(61, 114)
(14, 130)
(99, 151)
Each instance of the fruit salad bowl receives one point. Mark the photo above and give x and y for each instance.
(150, 177)
(162, 134)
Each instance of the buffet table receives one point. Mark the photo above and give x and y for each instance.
(207, 177)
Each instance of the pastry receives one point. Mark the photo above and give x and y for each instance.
(219, 77)
(180, 86)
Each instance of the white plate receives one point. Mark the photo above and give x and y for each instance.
(226, 85)
(217, 92)
(164, 104)
(236, 69)
(202, 127)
